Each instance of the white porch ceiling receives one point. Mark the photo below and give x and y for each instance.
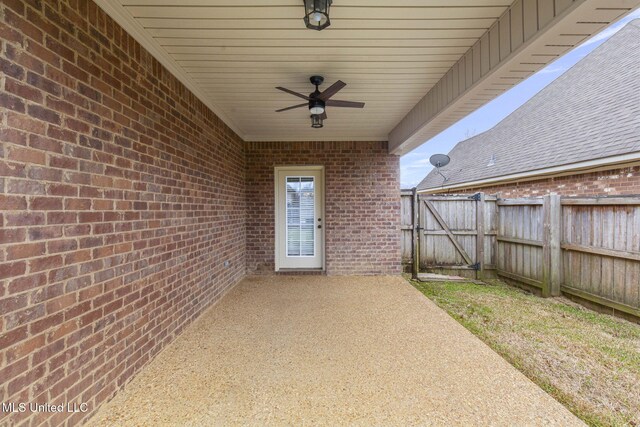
(390, 53)
(393, 55)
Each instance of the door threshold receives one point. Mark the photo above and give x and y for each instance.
(300, 271)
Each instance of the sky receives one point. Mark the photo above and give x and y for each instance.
(415, 165)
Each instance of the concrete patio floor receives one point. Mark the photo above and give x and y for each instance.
(313, 350)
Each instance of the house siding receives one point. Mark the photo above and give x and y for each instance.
(362, 204)
(612, 182)
(121, 195)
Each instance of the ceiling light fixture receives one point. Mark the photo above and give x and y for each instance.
(316, 14)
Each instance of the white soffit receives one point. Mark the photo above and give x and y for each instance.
(233, 53)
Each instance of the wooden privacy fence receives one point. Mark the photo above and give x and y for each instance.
(583, 247)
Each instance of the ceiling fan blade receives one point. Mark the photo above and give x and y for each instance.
(323, 116)
(292, 107)
(350, 104)
(299, 95)
(332, 90)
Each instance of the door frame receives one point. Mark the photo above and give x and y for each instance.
(277, 190)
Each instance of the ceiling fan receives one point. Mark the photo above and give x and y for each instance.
(318, 101)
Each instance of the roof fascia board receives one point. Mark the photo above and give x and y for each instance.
(435, 111)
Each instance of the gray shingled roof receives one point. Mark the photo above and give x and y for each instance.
(590, 112)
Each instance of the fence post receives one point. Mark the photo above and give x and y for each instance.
(551, 251)
(415, 226)
(480, 204)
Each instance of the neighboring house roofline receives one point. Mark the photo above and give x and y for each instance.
(590, 112)
(620, 162)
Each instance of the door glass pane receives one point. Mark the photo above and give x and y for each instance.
(300, 216)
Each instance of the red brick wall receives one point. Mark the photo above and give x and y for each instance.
(362, 203)
(613, 182)
(121, 195)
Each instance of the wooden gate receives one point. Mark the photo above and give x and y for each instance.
(454, 234)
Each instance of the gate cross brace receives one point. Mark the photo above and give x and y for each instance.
(447, 230)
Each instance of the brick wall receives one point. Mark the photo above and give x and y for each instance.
(120, 197)
(362, 203)
(625, 181)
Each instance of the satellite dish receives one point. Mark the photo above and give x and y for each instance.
(439, 160)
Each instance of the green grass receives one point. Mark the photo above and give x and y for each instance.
(588, 361)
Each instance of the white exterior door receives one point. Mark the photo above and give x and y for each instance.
(299, 217)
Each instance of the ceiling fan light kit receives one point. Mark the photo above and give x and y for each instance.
(316, 14)
(316, 106)
(316, 121)
(318, 101)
